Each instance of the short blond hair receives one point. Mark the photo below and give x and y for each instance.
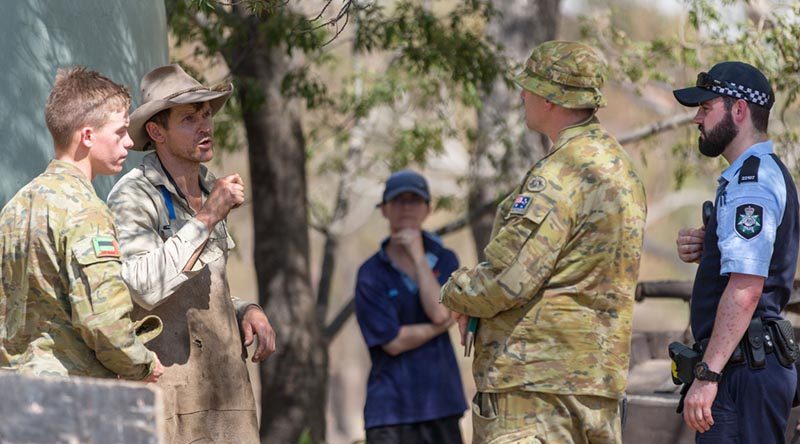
(81, 97)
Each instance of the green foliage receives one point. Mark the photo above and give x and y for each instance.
(305, 437)
(414, 145)
(428, 45)
(433, 62)
(710, 34)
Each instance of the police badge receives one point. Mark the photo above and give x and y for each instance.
(749, 220)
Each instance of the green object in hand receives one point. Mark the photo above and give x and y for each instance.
(472, 327)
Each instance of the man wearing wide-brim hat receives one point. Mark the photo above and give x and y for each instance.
(170, 212)
(555, 296)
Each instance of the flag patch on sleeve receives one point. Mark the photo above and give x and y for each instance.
(520, 204)
(105, 246)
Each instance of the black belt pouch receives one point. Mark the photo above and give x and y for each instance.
(755, 344)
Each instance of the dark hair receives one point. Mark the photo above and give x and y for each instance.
(759, 115)
(161, 118)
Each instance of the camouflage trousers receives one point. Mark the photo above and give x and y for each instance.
(543, 418)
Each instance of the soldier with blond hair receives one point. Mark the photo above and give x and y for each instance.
(555, 296)
(64, 308)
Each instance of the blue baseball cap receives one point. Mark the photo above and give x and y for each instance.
(405, 181)
(732, 79)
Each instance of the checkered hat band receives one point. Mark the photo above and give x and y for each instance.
(743, 92)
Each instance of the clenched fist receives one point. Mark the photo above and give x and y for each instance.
(227, 194)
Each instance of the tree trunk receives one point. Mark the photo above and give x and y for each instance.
(494, 168)
(294, 379)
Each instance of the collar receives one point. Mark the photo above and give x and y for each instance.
(60, 167)
(431, 242)
(155, 172)
(573, 131)
(757, 150)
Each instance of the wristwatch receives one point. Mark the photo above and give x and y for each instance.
(703, 373)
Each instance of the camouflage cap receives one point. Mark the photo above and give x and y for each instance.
(569, 74)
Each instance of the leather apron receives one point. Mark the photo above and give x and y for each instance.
(206, 389)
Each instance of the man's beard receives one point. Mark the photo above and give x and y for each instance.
(717, 139)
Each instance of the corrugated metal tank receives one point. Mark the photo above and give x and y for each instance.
(122, 39)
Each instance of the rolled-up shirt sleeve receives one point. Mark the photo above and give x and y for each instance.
(152, 267)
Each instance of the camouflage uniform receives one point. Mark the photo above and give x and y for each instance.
(555, 295)
(64, 309)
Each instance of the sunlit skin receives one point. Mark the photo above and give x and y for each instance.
(189, 139)
(533, 109)
(100, 151)
(709, 113)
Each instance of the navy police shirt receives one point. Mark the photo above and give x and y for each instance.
(753, 230)
(418, 385)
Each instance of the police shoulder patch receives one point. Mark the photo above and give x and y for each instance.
(105, 246)
(749, 170)
(749, 220)
(521, 204)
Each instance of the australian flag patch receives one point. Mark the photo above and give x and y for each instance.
(520, 204)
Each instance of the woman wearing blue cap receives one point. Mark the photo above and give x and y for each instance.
(414, 391)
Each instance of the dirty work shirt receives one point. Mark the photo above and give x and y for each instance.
(207, 391)
(64, 309)
(555, 295)
(418, 385)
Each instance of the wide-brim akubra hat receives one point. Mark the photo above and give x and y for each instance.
(169, 86)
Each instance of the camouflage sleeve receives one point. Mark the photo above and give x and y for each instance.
(519, 261)
(100, 301)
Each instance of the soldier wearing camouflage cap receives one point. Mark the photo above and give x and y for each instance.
(64, 309)
(555, 296)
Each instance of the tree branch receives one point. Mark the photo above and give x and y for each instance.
(646, 131)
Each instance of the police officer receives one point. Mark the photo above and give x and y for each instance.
(555, 295)
(64, 309)
(747, 254)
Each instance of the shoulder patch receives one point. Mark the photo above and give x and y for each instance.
(749, 170)
(105, 246)
(536, 184)
(521, 204)
(749, 220)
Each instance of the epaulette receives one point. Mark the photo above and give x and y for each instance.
(749, 171)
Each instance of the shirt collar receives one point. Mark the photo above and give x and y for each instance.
(60, 167)
(154, 172)
(572, 131)
(757, 150)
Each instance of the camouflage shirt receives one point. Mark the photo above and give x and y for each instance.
(64, 309)
(555, 295)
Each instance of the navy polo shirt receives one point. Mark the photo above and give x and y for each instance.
(753, 230)
(418, 385)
